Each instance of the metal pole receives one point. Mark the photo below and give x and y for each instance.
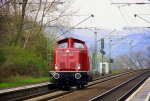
(95, 50)
(130, 52)
(102, 66)
(130, 49)
(109, 54)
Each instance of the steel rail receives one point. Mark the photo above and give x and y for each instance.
(107, 78)
(9, 95)
(126, 95)
(97, 98)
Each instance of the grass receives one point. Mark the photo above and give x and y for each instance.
(116, 71)
(20, 81)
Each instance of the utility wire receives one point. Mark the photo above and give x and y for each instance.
(131, 3)
(107, 35)
(74, 26)
(143, 14)
(146, 31)
(123, 16)
(119, 7)
(141, 18)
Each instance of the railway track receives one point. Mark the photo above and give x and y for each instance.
(57, 94)
(124, 90)
(25, 92)
(63, 92)
(94, 90)
(48, 90)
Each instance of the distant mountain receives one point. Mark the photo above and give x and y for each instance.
(139, 41)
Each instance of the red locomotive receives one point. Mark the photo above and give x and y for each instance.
(71, 63)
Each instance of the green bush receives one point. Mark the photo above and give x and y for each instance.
(17, 61)
(2, 57)
(116, 71)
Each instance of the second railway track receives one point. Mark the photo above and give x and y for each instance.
(123, 91)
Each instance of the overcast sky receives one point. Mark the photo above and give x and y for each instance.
(110, 16)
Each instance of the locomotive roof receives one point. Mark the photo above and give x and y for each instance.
(74, 39)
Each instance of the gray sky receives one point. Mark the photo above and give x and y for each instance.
(111, 16)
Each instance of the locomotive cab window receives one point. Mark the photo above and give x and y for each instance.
(77, 45)
(63, 45)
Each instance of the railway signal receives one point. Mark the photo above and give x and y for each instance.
(102, 43)
(102, 51)
(111, 60)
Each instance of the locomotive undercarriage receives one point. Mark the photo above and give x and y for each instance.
(69, 79)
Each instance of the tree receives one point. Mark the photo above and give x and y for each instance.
(27, 18)
(23, 40)
(139, 59)
(148, 57)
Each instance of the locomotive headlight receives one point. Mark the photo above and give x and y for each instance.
(78, 67)
(56, 66)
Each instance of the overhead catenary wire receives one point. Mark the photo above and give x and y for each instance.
(128, 3)
(119, 8)
(73, 27)
(106, 35)
(129, 17)
(141, 18)
(131, 3)
(133, 31)
(146, 31)
(125, 18)
(143, 14)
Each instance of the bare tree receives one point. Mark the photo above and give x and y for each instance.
(148, 57)
(24, 4)
(140, 59)
(50, 9)
(26, 18)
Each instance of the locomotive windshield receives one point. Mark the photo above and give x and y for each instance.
(71, 43)
(77, 45)
(63, 45)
